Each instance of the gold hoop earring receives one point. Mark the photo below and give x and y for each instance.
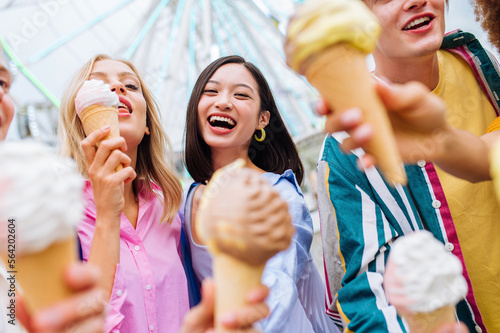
(262, 136)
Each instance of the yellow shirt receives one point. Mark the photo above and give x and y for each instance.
(474, 207)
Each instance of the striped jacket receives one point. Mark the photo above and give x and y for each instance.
(356, 242)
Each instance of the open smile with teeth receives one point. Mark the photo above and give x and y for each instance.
(221, 122)
(418, 23)
(123, 106)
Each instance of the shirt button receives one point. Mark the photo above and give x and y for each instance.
(436, 204)
(421, 163)
(151, 327)
(148, 287)
(478, 329)
(137, 247)
(119, 292)
(450, 247)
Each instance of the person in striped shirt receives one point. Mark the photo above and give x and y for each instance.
(451, 196)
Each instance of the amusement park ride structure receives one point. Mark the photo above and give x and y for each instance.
(170, 41)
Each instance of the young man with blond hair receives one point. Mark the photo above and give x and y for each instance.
(361, 215)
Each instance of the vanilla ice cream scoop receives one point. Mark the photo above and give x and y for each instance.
(421, 276)
(318, 24)
(95, 92)
(41, 192)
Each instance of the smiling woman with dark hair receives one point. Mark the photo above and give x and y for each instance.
(277, 153)
(232, 114)
(488, 13)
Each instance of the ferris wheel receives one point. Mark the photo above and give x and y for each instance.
(170, 41)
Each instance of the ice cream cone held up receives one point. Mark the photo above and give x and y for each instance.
(328, 41)
(97, 106)
(235, 201)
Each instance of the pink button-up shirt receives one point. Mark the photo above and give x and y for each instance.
(150, 288)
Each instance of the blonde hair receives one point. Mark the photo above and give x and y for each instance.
(151, 166)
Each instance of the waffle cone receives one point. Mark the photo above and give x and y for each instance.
(341, 75)
(427, 322)
(97, 116)
(40, 275)
(233, 279)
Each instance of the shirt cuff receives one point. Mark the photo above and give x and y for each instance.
(114, 317)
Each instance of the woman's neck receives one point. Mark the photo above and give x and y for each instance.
(223, 157)
(132, 154)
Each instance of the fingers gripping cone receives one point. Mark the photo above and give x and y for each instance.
(328, 41)
(341, 76)
(234, 275)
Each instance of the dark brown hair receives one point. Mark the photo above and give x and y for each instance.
(276, 153)
(488, 13)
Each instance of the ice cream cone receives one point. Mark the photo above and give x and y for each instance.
(40, 213)
(95, 117)
(233, 279)
(428, 322)
(40, 275)
(328, 41)
(233, 205)
(341, 75)
(423, 281)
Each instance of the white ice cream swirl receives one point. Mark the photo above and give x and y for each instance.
(41, 192)
(421, 276)
(95, 92)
